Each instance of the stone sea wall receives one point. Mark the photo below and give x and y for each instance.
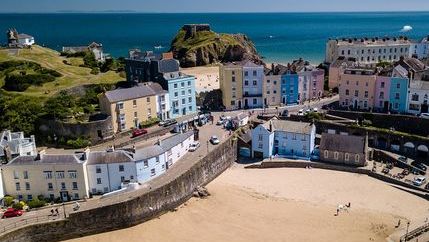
(137, 209)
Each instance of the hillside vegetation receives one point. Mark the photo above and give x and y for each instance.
(71, 75)
(207, 47)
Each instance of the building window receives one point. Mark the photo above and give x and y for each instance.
(60, 175)
(336, 155)
(246, 73)
(260, 145)
(135, 115)
(397, 96)
(304, 138)
(326, 154)
(356, 93)
(415, 97)
(50, 186)
(152, 172)
(246, 83)
(72, 174)
(183, 101)
(357, 157)
(366, 93)
(134, 103)
(18, 186)
(76, 196)
(396, 106)
(347, 92)
(255, 83)
(146, 164)
(27, 186)
(122, 178)
(175, 85)
(98, 169)
(183, 93)
(74, 185)
(120, 106)
(25, 174)
(381, 95)
(260, 137)
(98, 180)
(63, 186)
(189, 91)
(29, 197)
(254, 73)
(255, 101)
(398, 85)
(294, 137)
(190, 99)
(15, 175)
(182, 84)
(48, 174)
(121, 168)
(346, 156)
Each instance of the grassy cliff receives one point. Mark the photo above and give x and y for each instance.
(71, 75)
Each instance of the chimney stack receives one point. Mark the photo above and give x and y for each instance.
(86, 153)
(40, 155)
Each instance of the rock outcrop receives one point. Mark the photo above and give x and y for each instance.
(201, 46)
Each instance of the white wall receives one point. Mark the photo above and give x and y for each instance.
(110, 176)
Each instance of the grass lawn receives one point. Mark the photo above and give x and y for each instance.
(72, 75)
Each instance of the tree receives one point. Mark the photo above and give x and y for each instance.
(89, 60)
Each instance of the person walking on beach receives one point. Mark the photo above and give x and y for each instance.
(56, 212)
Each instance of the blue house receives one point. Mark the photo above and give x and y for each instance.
(399, 94)
(181, 89)
(283, 138)
(289, 88)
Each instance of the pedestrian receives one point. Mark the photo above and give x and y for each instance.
(56, 211)
(338, 211)
(349, 205)
(52, 212)
(399, 223)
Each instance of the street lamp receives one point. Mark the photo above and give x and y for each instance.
(406, 234)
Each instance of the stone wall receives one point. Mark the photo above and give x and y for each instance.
(403, 123)
(96, 131)
(134, 209)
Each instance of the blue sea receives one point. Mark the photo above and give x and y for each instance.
(279, 37)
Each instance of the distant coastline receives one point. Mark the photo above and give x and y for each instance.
(279, 37)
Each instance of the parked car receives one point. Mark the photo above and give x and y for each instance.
(419, 165)
(405, 172)
(214, 140)
(315, 110)
(301, 112)
(169, 122)
(418, 181)
(389, 166)
(11, 212)
(403, 159)
(220, 122)
(285, 113)
(138, 132)
(385, 170)
(424, 115)
(194, 146)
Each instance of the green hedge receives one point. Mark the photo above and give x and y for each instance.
(20, 83)
(149, 122)
(78, 143)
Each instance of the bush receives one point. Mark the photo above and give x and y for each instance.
(36, 203)
(8, 200)
(149, 122)
(20, 205)
(89, 60)
(95, 71)
(366, 122)
(78, 143)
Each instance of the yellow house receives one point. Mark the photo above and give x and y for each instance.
(129, 107)
(61, 177)
(231, 84)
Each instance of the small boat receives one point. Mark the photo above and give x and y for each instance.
(271, 36)
(159, 47)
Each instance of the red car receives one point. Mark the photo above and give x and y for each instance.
(138, 132)
(11, 212)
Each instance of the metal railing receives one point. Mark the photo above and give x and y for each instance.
(15, 224)
(415, 233)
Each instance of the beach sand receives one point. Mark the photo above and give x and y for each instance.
(282, 205)
(207, 77)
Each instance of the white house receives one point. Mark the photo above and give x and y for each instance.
(253, 78)
(154, 160)
(108, 170)
(13, 144)
(242, 119)
(283, 138)
(25, 40)
(418, 98)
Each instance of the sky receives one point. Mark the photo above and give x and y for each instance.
(180, 6)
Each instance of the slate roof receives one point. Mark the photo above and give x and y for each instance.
(289, 126)
(175, 75)
(164, 146)
(142, 90)
(413, 64)
(24, 36)
(168, 65)
(102, 157)
(45, 159)
(343, 143)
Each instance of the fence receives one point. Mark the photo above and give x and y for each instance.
(415, 233)
(6, 227)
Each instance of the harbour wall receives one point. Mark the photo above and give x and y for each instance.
(173, 190)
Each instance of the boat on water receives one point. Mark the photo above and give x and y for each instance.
(158, 47)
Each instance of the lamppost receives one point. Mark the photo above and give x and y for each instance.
(406, 234)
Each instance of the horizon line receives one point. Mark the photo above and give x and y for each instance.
(208, 12)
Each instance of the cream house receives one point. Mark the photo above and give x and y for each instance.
(129, 107)
(56, 177)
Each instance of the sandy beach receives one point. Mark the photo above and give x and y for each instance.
(282, 205)
(207, 77)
